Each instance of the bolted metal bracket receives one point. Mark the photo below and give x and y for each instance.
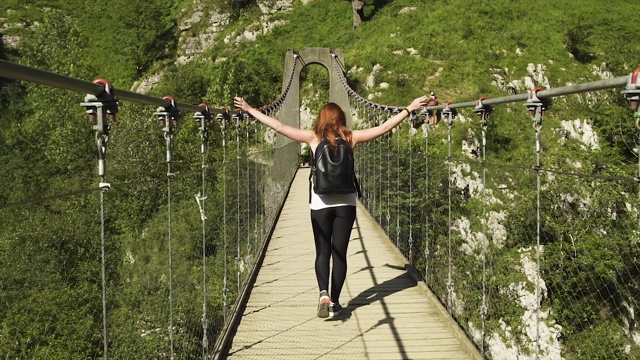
(101, 108)
(632, 93)
(483, 111)
(168, 117)
(449, 113)
(203, 121)
(536, 106)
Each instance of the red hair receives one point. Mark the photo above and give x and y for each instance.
(332, 123)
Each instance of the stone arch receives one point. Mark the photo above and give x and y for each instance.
(290, 110)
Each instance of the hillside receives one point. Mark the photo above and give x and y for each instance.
(211, 50)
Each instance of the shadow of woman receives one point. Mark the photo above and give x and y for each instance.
(378, 292)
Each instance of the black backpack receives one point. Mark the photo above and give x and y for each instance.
(333, 172)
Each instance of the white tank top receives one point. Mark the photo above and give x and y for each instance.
(319, 202)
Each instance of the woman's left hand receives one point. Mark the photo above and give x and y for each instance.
(241, 104)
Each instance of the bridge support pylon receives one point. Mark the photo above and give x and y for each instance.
(290, 110)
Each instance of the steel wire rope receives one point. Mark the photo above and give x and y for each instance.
(79, 192)
(483, 308)
(449, 257)
(103, 275)
(547, 170)
(224, 220)
(200, 198)
(238, 255)
(374, 173)
(49, 198)
(410, 193)
(397, 133)
(248, 203)
(256, 181)
(388, 136)
(379, 145)
(427, 203)
(538, 128)
(168, 135)
(101, 142)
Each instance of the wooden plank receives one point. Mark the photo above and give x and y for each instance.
(387, 315)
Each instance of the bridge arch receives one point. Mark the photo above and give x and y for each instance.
(295, 61)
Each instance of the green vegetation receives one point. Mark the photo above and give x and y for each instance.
(50, 251)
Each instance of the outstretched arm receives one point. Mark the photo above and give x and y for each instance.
(291, 132)
(377, 131)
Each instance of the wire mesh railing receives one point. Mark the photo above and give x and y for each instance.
(528, 235)
(534, 252)
(151, 262)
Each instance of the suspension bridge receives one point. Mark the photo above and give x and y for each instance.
(442, 263)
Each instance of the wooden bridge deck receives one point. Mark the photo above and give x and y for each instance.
(387, 314)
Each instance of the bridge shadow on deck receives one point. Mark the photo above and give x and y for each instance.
(387, 314)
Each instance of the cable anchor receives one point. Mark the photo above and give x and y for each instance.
(203, 121)
(483, 111)
(101, 110)
(223, 118)
(632, 94)
(449, 113)
(168, 117)
(536, 106)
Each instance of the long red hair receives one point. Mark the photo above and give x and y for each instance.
(332, 123)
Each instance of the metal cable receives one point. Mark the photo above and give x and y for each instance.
(388, 184)
(483, 309)
(224, 218)
(238, 256)
(398, 190)
(169, 175)
(410, 196)
(200, 198)
(103, 275)
(248, 220)
(450, 264)
(426, 213)
(538, 126)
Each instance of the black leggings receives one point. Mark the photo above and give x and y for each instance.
(331, 231)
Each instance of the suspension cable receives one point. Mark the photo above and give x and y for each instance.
(483, 111)
(412, 115)
(388, 135)
(168, 117)
(536, 108)
(203, 121)
(248, 220)
(101, 109)
(448, 113)
(236, 119)
(224, 215)
(398, 189)
(426, 191)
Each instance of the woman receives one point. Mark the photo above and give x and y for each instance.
(332, 215)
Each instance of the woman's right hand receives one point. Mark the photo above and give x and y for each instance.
(417, 103)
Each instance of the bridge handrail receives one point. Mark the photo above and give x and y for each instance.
(16, 71)
(631, 83)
